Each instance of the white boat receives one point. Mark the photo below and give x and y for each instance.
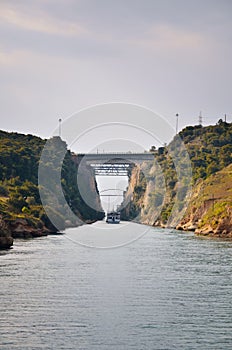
(113, 217)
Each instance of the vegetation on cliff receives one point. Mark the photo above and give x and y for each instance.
(19, 193)
(209, 148)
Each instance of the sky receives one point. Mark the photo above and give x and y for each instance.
(60, 56)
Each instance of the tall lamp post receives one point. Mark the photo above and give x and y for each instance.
(60, 120)
(177, 117)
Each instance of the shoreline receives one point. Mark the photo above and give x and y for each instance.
(20, 229)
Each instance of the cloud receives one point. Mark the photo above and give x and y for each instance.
(89, 31)
(40, 22)
(166, 37)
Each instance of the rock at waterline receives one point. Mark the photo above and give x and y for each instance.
(6, 242)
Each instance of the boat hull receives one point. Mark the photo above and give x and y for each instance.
(113, 218)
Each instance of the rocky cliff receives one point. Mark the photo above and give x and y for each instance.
(209, 210)
(158, 199)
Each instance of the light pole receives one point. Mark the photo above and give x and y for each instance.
(60, 120)
(177, 117)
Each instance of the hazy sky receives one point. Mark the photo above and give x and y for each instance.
(58, 56)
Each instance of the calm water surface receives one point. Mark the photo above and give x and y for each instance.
(168, 290)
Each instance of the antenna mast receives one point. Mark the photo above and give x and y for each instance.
(60, 120)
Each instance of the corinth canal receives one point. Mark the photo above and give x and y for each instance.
(167, 290)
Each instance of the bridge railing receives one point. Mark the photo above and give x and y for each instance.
(115, 153)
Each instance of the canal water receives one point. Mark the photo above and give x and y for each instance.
(167, 290)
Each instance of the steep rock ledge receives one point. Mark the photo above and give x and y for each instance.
(21, 228)
(6, 241)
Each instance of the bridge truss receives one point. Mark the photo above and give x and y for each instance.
(110, 169)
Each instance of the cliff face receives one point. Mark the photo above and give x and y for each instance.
(209, 210)
(87, 187)
(145, 195)
(134, 196)
(210, 207)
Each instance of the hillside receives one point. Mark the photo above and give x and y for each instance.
(21, 210)
(210, 152)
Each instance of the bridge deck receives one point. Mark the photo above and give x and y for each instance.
(113, 156)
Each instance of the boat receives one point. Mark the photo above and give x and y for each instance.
(113, 217)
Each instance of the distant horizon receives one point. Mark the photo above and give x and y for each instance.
(182, 126)
(101, 150)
